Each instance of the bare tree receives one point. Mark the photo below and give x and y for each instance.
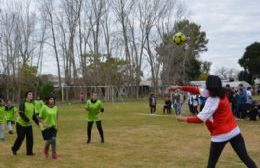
(122, 9)
(97, 12)
(47, 9)
(68, 26)
(151, 12)
(227, 73)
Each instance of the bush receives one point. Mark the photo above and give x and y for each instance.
(46, 89)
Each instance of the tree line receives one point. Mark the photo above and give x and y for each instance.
(97, 42)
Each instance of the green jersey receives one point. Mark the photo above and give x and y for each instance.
(2, 114)
(10, 113)
(49, 116)
(94, 110)
(26, 112)
(38, 105)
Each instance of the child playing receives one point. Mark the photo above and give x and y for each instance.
(167, 105)
(48, 119)
(2, 118)
(10, 115)
(152, 103)
(38, 103)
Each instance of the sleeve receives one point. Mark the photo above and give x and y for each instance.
(194, 120)
(101, 107)
(191, 89)
(42, 111)
(87, 104)
(21, 112)
(195, 90)
(15, 109)
(209, 109)
(204, 92)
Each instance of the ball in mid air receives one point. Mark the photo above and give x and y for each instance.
(179, 38)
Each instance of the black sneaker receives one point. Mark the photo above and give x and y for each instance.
(30, 154)
(88, 141)
(10, 132)
(102, 141)
(13, 152)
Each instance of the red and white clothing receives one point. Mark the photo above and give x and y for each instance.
(217, 116)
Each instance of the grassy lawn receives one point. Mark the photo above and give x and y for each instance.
(133, 140)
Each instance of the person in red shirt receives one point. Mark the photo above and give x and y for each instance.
(219, 120)
(82, 97)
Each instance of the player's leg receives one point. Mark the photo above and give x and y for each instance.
(20, 137)
(238, 144)
(29, 140)
(215, 150)
(89, 128)
(10, 127)
(100, 130)
(2, 137)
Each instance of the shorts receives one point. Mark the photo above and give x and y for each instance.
(49, 134)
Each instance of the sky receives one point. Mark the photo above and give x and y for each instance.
(230, 25)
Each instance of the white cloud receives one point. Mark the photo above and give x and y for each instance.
(230, 25)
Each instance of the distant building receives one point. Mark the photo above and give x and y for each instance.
(53, 79)
(233, 84)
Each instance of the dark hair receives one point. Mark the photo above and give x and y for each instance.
(227, 85)
(214, 86)
(51, 95)
(26, 93)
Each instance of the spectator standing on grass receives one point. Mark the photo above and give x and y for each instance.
(152, 103)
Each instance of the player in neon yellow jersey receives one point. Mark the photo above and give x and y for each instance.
(95, 109)
(38, 103)
(48, 119)
(24, 125)
(2, 118)
(10, 115)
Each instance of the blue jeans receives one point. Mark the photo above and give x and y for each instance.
(178, 108)
(2, 136)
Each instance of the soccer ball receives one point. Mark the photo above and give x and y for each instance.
(179, 38)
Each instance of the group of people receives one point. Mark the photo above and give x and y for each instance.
(215, 111)
(45, 115)
(175, 101)
(242, 102)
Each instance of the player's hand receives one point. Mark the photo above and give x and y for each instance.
(87, 109)
(181, 118)
(46, 127)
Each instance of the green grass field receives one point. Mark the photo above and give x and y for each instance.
(133, 140)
